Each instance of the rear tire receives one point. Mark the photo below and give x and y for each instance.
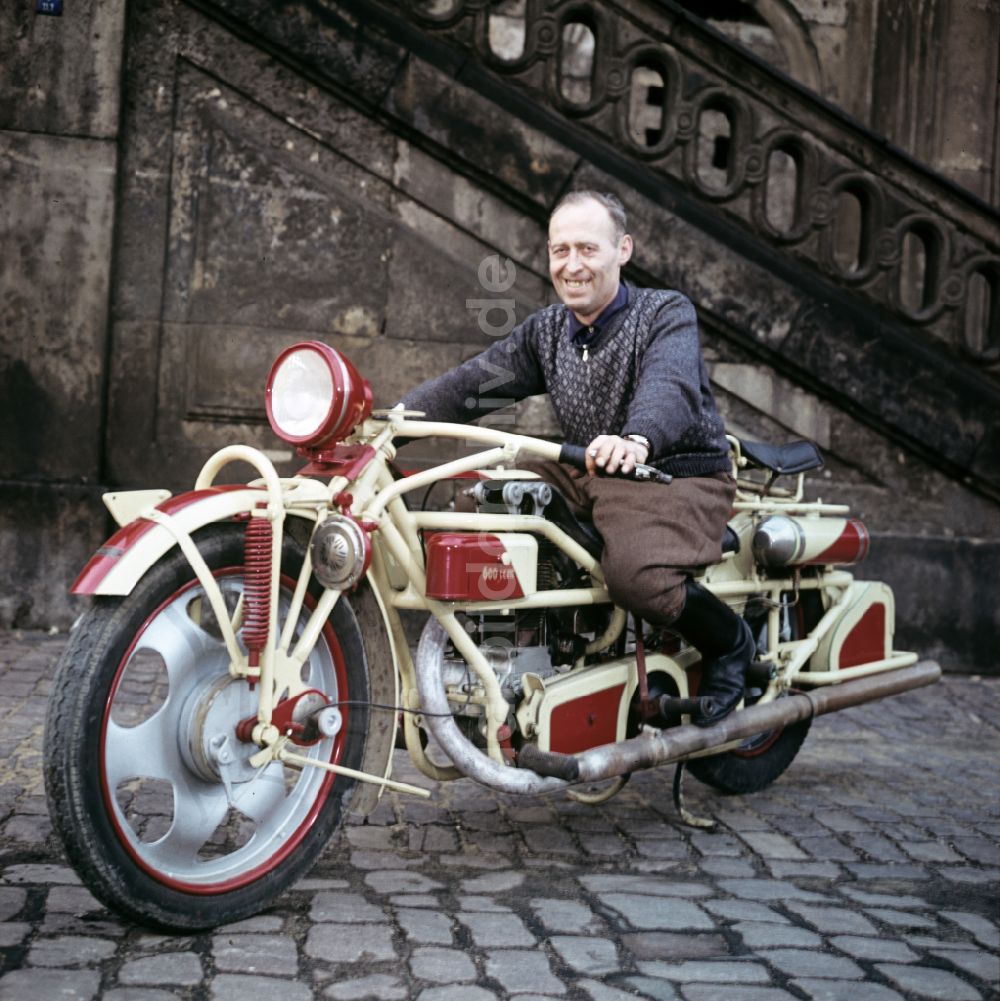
(141, 687)
(760, 760)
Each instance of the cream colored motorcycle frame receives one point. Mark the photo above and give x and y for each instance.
(397, 576)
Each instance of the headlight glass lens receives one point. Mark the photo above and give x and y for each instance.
(301, 394)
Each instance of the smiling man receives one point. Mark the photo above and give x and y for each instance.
(625, 374)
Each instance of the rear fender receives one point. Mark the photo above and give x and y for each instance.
(118, 565)
(863, 634)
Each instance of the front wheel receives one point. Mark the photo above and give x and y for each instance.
(143, 701)
(760, 760)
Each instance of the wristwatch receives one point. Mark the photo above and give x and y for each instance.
(641, 439)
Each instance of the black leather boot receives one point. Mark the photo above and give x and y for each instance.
(727, 648)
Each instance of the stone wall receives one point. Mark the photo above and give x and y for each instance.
(267, 180)
(59, 108)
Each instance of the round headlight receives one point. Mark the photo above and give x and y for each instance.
(315, 396)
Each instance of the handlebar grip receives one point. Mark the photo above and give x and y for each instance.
(574, 455)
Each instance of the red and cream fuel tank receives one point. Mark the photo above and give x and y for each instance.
(479, 566)
(783, 541)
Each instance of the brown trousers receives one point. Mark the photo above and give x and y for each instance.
(656, 535)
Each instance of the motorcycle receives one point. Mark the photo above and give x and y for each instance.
(242, 674)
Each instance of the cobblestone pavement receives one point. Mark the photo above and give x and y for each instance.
(869, 872)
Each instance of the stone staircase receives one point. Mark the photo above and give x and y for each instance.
(801, 236)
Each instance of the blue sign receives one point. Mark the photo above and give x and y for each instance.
(53, 7)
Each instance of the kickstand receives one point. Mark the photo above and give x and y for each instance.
(687, 817)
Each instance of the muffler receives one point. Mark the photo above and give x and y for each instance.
(542, 771)
(652, 748)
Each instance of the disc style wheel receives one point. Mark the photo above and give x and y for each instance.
(150, 787)
(761, 759)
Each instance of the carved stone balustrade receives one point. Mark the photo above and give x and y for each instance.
(802, 178)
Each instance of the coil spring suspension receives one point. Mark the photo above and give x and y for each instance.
(256, 590)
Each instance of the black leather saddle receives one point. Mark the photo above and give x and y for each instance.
(788, 459)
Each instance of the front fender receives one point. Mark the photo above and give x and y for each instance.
(118, 565)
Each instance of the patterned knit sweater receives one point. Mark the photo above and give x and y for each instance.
(644, 374)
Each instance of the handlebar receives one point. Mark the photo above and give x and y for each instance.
(576, 455)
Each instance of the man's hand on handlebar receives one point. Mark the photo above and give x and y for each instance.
(580, 458)
(608, 453)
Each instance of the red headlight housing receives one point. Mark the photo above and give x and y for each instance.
(315, 397)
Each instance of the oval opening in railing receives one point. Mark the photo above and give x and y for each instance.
(647, 107)
(507, 30)
(577, 45)
(438, 9)
(783, 188)
(851, 230)
(919, 268)
(714, 162)
(981, 323)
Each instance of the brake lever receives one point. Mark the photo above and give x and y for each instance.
(640, 471)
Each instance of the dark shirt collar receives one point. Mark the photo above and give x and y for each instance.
(582, 334)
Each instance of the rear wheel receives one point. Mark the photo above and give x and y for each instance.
(150, 787)
(761, 759)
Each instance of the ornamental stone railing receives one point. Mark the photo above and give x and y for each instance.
(715, 122)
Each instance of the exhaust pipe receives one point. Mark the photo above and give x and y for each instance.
(466, 757)
(542, 771)
(650, 748)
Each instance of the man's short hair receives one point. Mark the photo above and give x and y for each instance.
(611, 203)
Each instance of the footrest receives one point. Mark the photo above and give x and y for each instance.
(673, 707)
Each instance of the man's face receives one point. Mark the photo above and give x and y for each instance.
(586, 258)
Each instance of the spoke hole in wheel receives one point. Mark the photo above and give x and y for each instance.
(200, 612)
(144, 689)
(232, 834)
(292, 777)
(148, 807)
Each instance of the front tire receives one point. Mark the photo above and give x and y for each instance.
(141, 688)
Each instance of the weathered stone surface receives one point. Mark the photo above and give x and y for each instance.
(60, 74)
(329, 40)
(703, 971)
(56, 214)
(350, 907)
(48, 532)
(519, 971)
(443, 966)
(497, 930)
(658, 913)
(238, 987)
(564, 916)
(181, 968)
(463, 121)
(929, 983)
(587, 954)
(67, 985)
(355, 943)
(940, 606)
(265, 954)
